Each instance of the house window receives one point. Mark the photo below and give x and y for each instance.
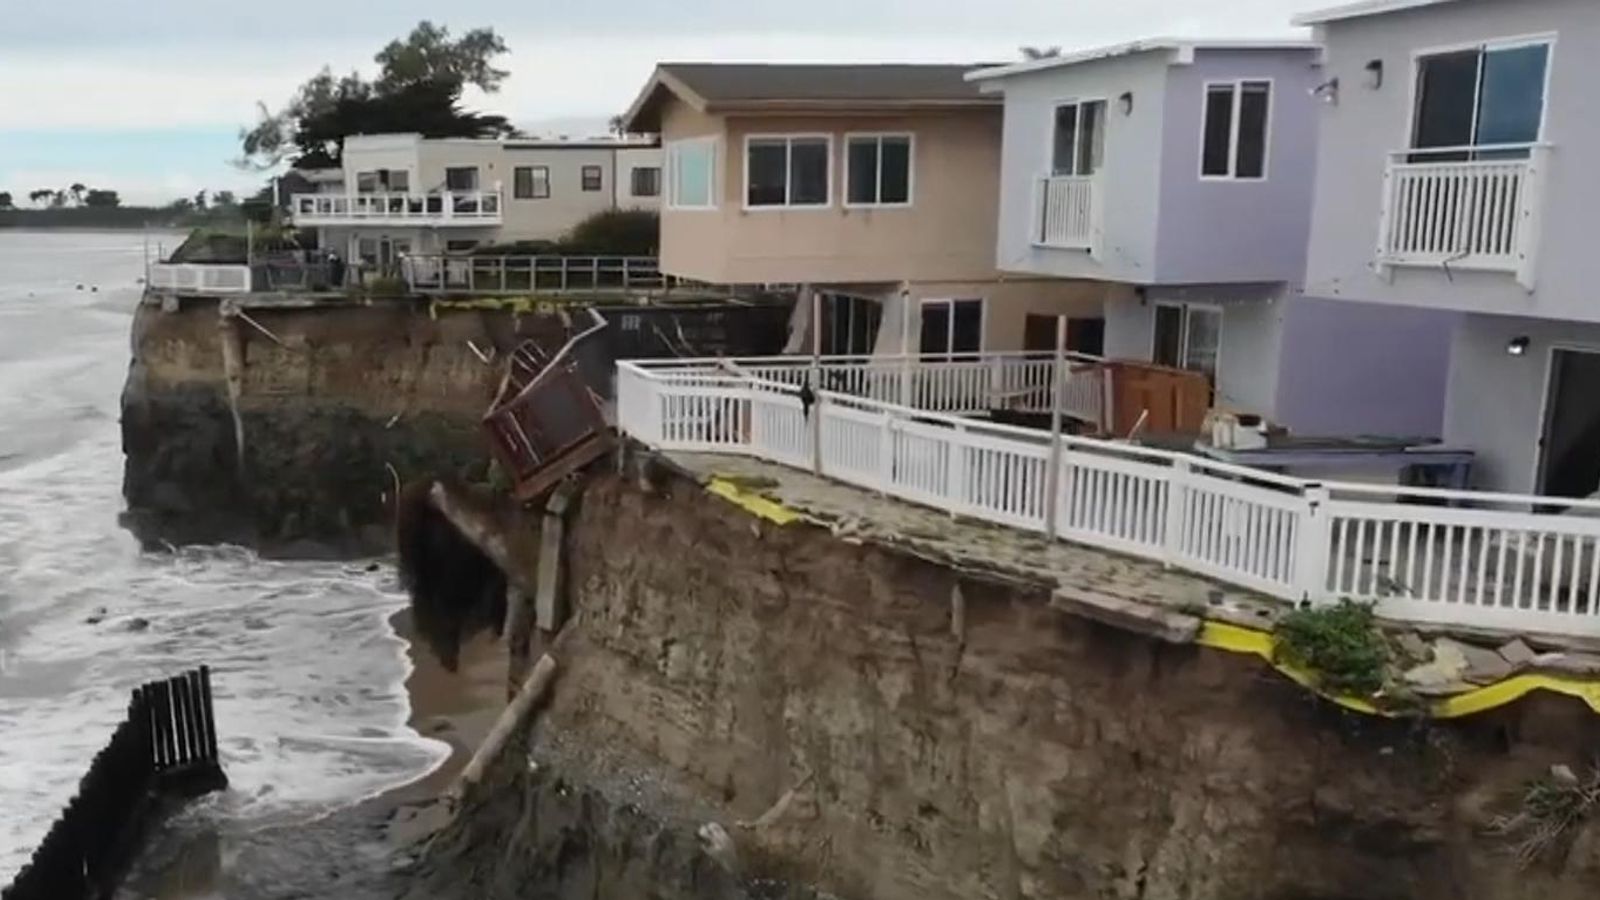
(1234, 135)
(952, 326)
(530, 182)
(366, 182)
(461, 178)
(1079, 138)
(593, 178)
(460, 246)
(396, 181)
(1483, 97)
(1188, 336)
(691, 174)
(646, 181)
(1086, 336)
(849, 325)
(786, 171)
(877, 170)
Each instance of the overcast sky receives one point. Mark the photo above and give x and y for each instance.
(147, 97)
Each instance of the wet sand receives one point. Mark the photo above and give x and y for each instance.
(458, 707)
(351, 854)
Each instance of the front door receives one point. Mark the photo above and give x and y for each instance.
(1569, 458)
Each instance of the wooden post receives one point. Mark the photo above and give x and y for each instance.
(510, 721)
(1052, 475)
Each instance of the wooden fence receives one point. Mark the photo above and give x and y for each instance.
(165, 748)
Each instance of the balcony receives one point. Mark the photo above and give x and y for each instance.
(1472, 214)
(447, 208)
(1069, 208)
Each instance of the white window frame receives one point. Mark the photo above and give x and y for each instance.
(1233, 128)
(1547, 39)
(669, 174)
(788, 171)
(911, 169)
(983, 322)
(1183, 307)
(1050, 133)
(533, 183)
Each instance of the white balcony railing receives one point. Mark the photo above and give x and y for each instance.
(976, 385)
(197, 278)
(1069, 211)
(1448, 557)
(465, 208)
(1480, 213)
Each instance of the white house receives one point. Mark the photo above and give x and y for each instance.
(1183, 170)
(1463, 140)
(400, 194)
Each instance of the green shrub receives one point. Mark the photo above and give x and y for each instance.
(1340, 644)
(614, 232)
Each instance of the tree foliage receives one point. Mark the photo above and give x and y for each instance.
(419, 86)
(99, 198)
(5, 200)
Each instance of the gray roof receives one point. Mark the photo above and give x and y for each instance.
(720, 86)
(733, 82)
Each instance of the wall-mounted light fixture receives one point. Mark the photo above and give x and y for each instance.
(1518, 346)
(1125, 103)
(1328, 91)
(1374, 70)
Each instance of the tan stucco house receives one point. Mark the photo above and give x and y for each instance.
(876, 185)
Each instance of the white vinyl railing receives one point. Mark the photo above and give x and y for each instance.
(444, 208)
(1069, 211)
(969, 385)
(1481, 213)
(1447, 557)
(198, 278)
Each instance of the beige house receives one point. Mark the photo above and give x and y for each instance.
(400, 194)
(878, 185)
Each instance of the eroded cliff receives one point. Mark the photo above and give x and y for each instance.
(880, 726)
(328, 398)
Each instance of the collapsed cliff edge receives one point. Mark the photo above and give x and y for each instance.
(753, 704)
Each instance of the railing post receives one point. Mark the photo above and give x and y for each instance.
(1177, 518)
(1386, 213)
(886, 454)
(1530, 217)
(1313, 545)
(956, 484)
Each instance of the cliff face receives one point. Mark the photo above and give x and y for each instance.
(879, 726)
(325, 402)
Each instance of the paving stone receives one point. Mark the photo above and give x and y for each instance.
(1483, 666)
(1518, 654)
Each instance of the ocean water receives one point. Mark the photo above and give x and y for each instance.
(308, 674)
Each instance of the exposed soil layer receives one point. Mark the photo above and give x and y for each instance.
(329, 399)
(879, 726)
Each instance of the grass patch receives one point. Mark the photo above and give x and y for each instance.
(1340, 645)
(1551, 808)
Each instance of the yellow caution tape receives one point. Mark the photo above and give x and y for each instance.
(1254, 642)
(752, 502)
(1237, 639)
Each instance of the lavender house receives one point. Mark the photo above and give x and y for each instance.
(1185, 170)
(1465, 132)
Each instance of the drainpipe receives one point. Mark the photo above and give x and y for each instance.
(233, 371)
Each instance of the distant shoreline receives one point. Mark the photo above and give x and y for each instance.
(118, 218)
